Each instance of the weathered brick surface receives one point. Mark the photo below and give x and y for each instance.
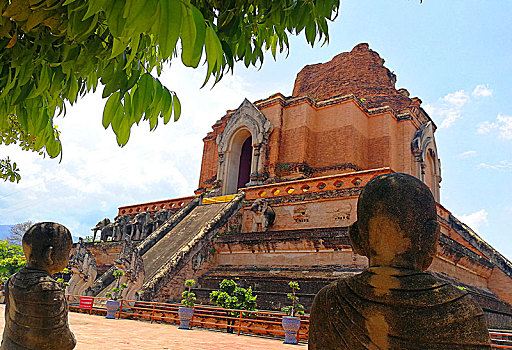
(499, 283)
(360, 72)
(324, 132)
(104, 254)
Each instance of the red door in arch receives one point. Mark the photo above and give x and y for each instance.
(244, 169)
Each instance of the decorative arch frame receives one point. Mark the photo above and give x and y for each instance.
(424, 149)
(246, 121)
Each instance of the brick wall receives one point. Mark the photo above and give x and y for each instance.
(500, 284)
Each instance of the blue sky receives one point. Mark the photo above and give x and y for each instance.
(455, 55)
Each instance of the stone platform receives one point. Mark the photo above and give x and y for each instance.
(96, 332)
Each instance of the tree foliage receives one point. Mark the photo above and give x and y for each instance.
(231, 296)
(54, 51)
(11, 259)
(17, 231)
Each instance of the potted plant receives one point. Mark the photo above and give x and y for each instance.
(114, 296)
(186, 312)
(291, 323)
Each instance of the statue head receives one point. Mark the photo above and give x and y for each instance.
(46, 246)
(396, 223)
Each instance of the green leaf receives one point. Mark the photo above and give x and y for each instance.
(53, 147)
(111, 108)
(176, 105)
(133, 79)
(143, 95)
(213, 52)
(95, 6)
(167, 104)
(140, 16)
(170, 25)
(128, 108)
(24, 92)
(114, 12)
(123, 136)
(119, 46)
(134, 46)
(311, 32)
(117, 120)
(73, 89)
(192, 35)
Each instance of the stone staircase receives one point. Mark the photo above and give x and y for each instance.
(167, 250)
(166, 257)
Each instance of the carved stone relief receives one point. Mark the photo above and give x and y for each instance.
(263, 215)
(423, 146)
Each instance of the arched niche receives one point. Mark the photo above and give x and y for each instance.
(246, 123)
(428, 164)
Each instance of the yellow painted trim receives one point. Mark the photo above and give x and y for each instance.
(220, 199)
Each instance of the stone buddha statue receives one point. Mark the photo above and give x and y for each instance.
(36, 310)
(395, 304)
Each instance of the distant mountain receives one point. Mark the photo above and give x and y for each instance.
(4, 231)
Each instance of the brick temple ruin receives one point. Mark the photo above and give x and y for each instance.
(278, 190)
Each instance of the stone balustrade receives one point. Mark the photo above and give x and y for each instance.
(152, 207)
(317, 184)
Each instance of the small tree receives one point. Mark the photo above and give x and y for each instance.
(11, 259)
(230, 296)
(116, 292)
(189, 298)
(295, 308)
(17, 231)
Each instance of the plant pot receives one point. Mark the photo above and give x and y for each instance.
(112, 308)
(185, 314)
(291, 326)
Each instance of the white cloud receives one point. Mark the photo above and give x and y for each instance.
(466, 154)
(475, 220)
(482, 91)
(448, 108)
(457, 99)
(503, 165)
(503, 124)
(508, 210)
(486, 127)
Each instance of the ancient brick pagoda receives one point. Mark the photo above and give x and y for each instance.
(278, 190)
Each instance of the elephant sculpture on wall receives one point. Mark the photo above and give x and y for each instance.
(263, 215)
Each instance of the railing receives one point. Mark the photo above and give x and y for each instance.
(152, 207)
(501, 339)
(316, 184)
(240, 321)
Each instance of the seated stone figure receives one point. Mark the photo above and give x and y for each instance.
(36, 310)
(394, 304)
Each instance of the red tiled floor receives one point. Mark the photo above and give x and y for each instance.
(96, 332)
